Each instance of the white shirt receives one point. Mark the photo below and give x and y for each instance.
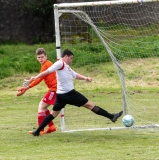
(64, 77)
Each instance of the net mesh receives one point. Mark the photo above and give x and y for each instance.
(118, 46)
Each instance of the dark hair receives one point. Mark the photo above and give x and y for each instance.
(67, 52)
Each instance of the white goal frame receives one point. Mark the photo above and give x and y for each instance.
(58, 11)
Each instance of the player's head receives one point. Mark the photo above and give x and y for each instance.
(67, 52)
(40, 51)
(67, 56)
(41, 55)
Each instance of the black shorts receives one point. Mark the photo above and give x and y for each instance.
(72, 97)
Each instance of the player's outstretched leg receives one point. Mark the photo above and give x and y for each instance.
(102, 112)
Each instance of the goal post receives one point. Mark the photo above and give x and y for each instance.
(113, 33)
(99, 3)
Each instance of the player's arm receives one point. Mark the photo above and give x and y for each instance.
(81, 77)
(42, 74)
(27, 85)
(56, 66)
(37, 79)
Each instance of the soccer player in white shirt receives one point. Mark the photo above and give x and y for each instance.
(66, 94)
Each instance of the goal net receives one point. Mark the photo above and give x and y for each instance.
(117, 44)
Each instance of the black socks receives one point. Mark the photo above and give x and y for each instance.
(102, 112)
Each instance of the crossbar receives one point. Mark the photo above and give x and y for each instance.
(100, 3)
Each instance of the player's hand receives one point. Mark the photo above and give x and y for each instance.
(26, 83)
(89, 79)
(22, 90)
(31, 79)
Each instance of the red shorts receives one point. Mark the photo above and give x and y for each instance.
(49, 97)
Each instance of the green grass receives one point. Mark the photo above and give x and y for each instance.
(18, 116)
(101, 145)
(19, 58)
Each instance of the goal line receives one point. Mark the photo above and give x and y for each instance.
(117, 128)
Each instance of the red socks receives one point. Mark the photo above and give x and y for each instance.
(41, 116)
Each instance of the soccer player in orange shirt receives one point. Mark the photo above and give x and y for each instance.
(50, 96)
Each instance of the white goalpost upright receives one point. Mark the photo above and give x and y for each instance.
(124, 28)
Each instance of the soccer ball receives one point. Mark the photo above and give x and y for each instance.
(128, 120)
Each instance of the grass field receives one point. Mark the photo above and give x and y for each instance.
(18, 115)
